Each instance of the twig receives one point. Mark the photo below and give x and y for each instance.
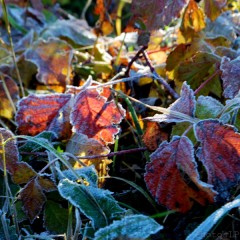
(206, 82)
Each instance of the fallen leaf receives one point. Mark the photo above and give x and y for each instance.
(220, 154)
(230, 76)
(37, 113)
(53, 60)
(95, 117)
(162, 11)
(164, 176)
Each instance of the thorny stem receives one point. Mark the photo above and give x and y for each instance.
(159, 78)
(206, 82)
(94, 156)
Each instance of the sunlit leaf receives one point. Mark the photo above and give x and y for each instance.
(230, 76)
(53, 60)
(162, 11)
(9, 94)
(130, 227)
(154, 135)
(90, 107)
(220, 153)
(37, 113)
(95, 203)
(172, 176)
(192, 21)
(80, 145)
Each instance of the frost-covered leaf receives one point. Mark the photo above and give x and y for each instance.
(74, 29)
(53, 60)
(201, 231)
(95, 117)
(193, 21)
(185, 104)
(21, 172)
(220, 154)
(208, 107)
(32, 198)
(80, 145)
(95, 203)
(172, 176)
(213, 8)
(6, 108)
(88, 174)
(55, 217)
(133, 227)
(46, 183)
(162, 11)
(37, 113)
(230, 76)
(5, 226)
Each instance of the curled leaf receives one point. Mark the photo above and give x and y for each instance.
(172, 176)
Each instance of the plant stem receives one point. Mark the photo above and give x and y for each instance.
(5, 12)
(206, 82)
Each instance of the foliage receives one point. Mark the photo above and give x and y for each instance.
(155, 108)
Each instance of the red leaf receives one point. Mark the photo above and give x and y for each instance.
(220, 154)
(93, 116)
(33, 199)
(230, 76)
(164, 176)
(157, 13)
(51, 112)
(185, 104)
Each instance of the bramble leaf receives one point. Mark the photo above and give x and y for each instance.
(21, 172)
(230, 76)
(162, 11)
(95, 203)
(53, 60)
(95, 117)
(50, 112)
(130, 227)
(32, 198)
(164, 177)
(185, 104)
(220, 154)
(80, 145)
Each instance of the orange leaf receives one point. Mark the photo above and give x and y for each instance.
(164, 176)
(37, 113)
(220, 154)
(95, 117)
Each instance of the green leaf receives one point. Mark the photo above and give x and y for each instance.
(135, 226)
(87, 173)
(201, 231)
(97, 204)
(55, 217)
(208, 107)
